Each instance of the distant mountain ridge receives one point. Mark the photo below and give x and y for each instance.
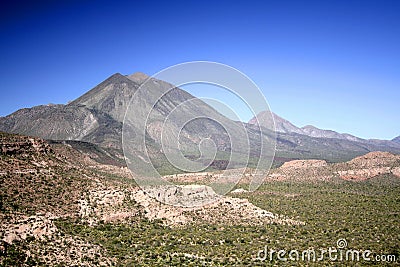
(284, 126)
(97, 117)
(320, 133)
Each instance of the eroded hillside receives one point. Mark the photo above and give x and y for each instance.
(43, 186)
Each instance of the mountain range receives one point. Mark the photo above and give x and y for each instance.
(97, 118)
(285, 126)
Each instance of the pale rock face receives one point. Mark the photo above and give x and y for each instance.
(375, 159)
(363, 174)
(117, 216)
(304, 164)
(396, 171)
(358, 169)
(184, 195)
(90, 123)
(107, 197)
(84, 208)
(370, 165)
(101, 204)
(156, 210)
(60, 248)
(239, 191)
(221, 209)
(38, 227)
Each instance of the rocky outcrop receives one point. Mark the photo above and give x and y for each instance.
(192, 195)
(239, 191)
(220, 210)
(396, 171)
(358, 169)
(49, 246)
(23, 145)
(301, 170)
(295, 164)
(39, 227)
(370, 165)
(71, 251)
(108, 206)
(375, 159)
(363, 174)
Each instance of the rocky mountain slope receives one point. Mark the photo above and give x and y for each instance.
(96, 120)
(96, 117)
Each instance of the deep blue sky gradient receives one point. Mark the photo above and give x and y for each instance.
(332, 64)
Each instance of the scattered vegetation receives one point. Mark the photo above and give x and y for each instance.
(36, 180)
(366, 214)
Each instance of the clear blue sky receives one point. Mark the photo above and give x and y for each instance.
(332, 64)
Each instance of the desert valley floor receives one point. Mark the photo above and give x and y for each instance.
(60, 207)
